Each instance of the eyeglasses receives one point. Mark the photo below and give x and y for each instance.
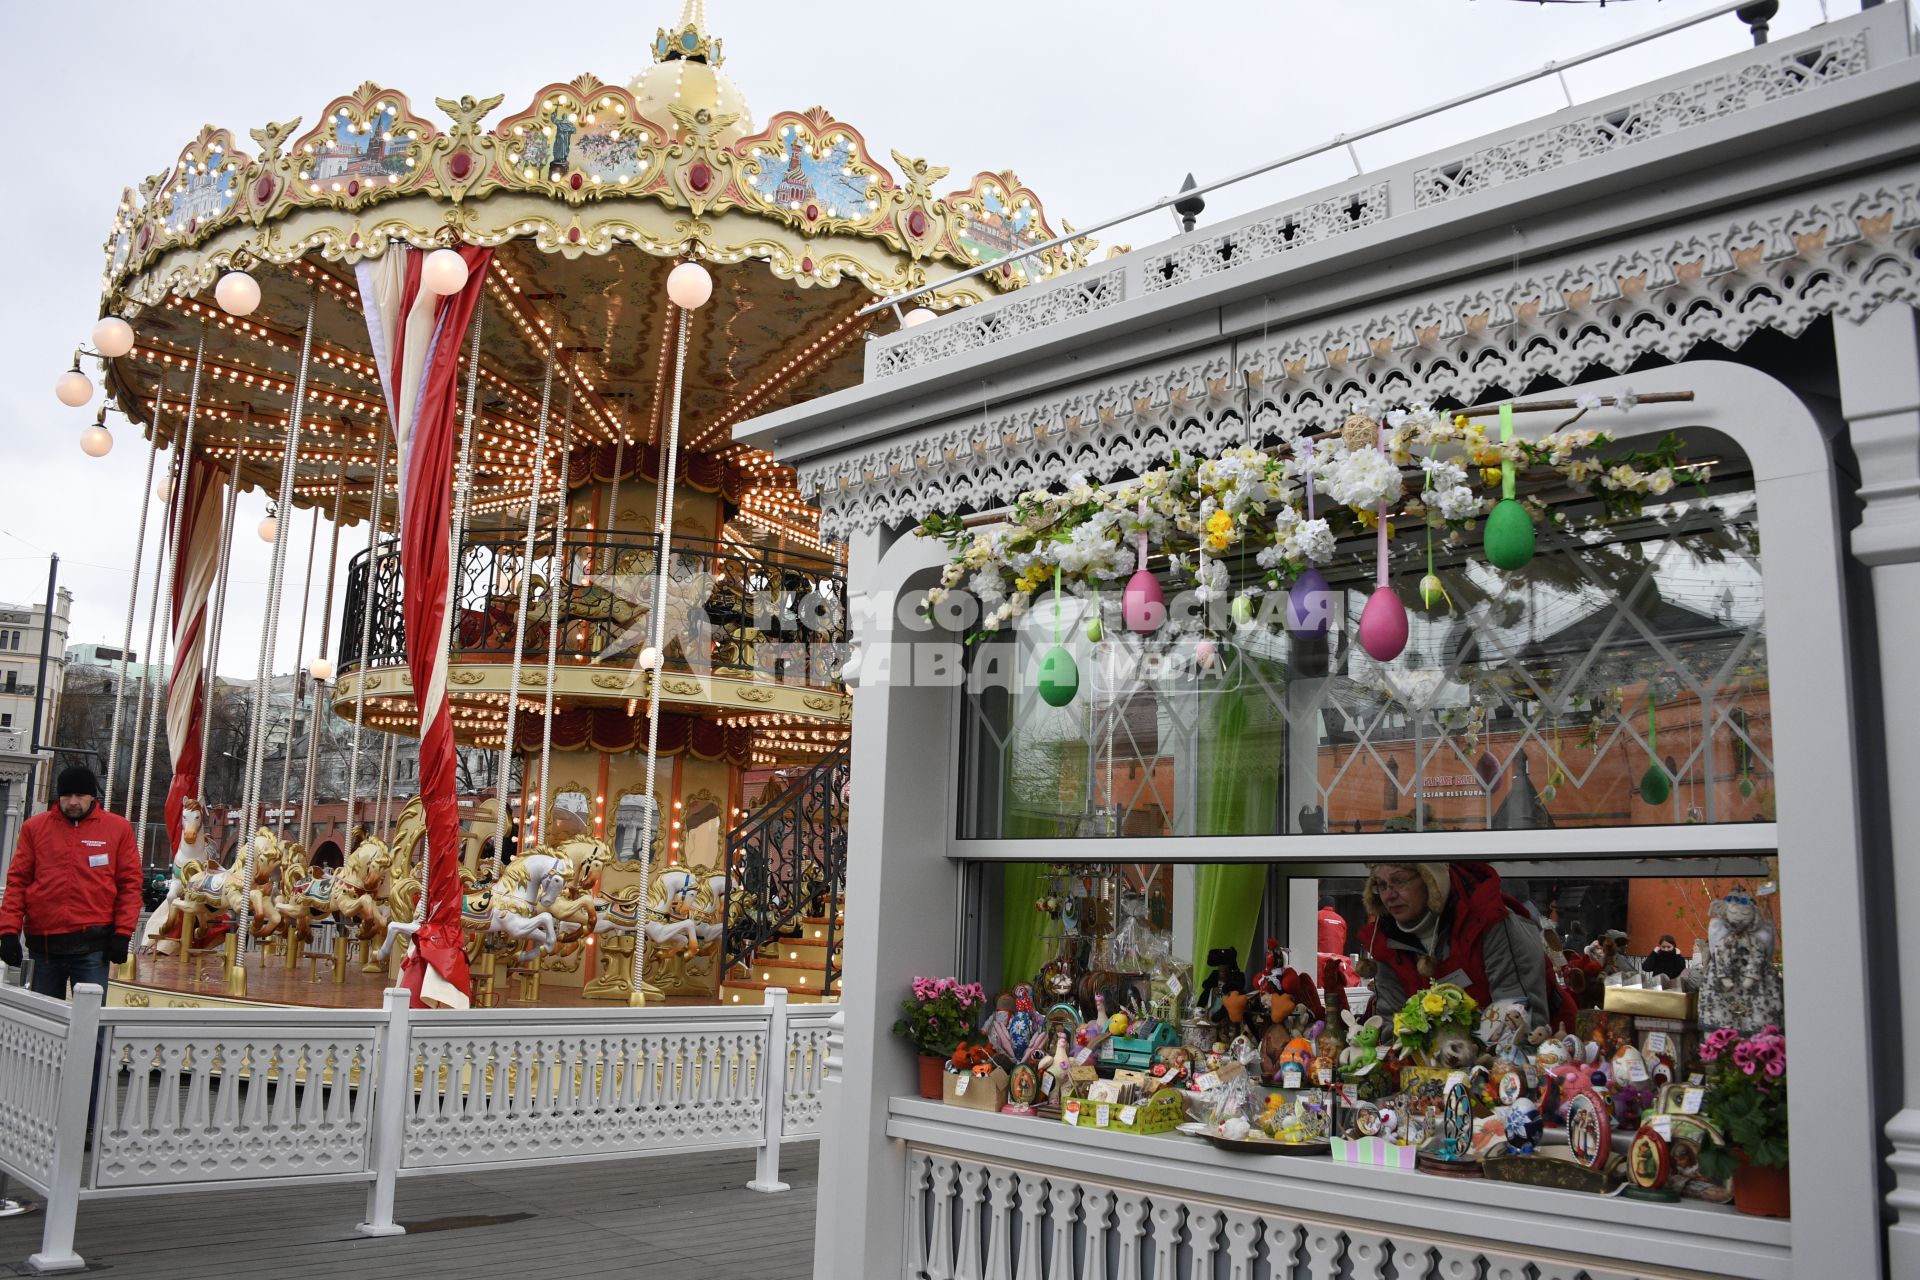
(1395, 884)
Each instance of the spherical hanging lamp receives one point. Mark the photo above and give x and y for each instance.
(96, 441)
(112, 337)
(163, 489)
(237, 293)
(917, 316)
(320, 669)
(269, 527)
(444, 272)
(689, 285)
(650, 659)
(73, 387)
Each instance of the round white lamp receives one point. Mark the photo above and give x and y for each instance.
(444, 272)
(112, 337)
(163, 491)
(237, 293)
(269, 528)
(917, 316)
(73, 387)
(650, 659)
(96, 441)
(689, 285)
(320, 669)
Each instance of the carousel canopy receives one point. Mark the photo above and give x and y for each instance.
(589, 194)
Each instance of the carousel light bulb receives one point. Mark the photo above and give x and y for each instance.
(237, 293)
(269, 528)
(96, 441)
(917, 316)
(320, 669)
(444, 272)
(73, 387)
(650, 659)
(112, 337)
(163, 491)
(689, 285)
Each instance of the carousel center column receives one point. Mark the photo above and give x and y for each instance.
(1879, 360)
(900, 887)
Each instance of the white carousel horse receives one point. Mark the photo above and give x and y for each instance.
(194, 854)
(521, 902)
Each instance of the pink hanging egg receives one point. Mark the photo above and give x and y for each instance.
(1205, 654)
(1309, 605)
(1143, 606)
(1383, 625)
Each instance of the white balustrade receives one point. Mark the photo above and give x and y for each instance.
(980, 1220)
(177, 1099)
(33, 1051)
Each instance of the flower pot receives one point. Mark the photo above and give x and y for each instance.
(932, 1067)
(1761, 1189)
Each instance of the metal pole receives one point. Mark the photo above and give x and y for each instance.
(133, 594)
(40, 680)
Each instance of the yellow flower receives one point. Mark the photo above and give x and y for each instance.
(1433, 1002)
(1219, 531)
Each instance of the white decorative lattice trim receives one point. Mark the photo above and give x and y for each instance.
(1780, 266)
(970, 330)
(1268, 238)
(1789, 72)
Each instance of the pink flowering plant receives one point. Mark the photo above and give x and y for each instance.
(1746, 1098)
(939, 1013)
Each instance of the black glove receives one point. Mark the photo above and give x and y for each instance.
(117, 948)
(10, 949)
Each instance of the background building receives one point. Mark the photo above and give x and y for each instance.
(21, 629)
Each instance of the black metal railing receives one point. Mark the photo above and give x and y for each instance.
(787, 863)
(729, 609)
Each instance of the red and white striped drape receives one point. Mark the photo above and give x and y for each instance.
(416, 344)
(196, 555)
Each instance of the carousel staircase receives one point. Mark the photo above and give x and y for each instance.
(787, 865)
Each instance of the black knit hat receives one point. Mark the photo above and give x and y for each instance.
(77, 780)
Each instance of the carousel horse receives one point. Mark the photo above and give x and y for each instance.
(277, 865)
(218, 891)
(517, 906)
(361, 889)
(306, 894)
(193, 855)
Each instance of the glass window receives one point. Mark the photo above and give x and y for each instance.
(1620, 679)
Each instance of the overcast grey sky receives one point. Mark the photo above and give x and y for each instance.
(1099, 105)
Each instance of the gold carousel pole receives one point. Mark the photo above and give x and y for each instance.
(688, 287)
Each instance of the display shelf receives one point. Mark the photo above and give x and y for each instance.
(1691, 1236)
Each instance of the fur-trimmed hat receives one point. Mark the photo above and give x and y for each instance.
(1439, 881)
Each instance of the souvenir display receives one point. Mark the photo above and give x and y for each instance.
(1023, 1090)
(1740, 984)
(1589, 1129)
(1650, 1163)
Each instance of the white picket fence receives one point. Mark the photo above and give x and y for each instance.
(216, 1098)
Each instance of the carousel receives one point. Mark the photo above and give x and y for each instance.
(495, 357)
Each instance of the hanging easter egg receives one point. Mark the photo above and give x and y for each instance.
(1548, 792)
(1205, 654)
(1487, 767)
(1746, 787)
(1059, 677)
(1655, 785)
(1095, 631)
(1383, 625)
(1242, 610)
(1143, 606)
(1309, 605)
(1431, 591)
(1509, 535)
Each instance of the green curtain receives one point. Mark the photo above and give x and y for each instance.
(1239, 759)
(1022, 948)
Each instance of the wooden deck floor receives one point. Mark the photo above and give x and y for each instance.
(685, 1217)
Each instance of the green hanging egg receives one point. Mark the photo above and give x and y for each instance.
(1059, 677)
(1509, 536)
(1431, 592)
(1242, 610)
(1746, 787)
(1095, 632)
(1548, 792)
(1655, 785)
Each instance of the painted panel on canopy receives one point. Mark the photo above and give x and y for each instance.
(200, 192)
(369, 145)
(997, 216)
(816, 172)
(580, 140)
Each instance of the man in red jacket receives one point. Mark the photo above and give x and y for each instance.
(73, 889)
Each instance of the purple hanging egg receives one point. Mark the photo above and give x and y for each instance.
(1383, 625)
(1309, 605)
(1143, 606)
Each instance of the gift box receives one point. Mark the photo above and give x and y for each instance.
(1377, 1152)
(982, 1093)
(1648, 1002)
(1161, 1113)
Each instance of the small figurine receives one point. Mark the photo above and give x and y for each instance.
(1024, 1027)
(1225, 977)
(1525, 1124)
(1231, 1019)
(1362, 1054)
(1023, 1090)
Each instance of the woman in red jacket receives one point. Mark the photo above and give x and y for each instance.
(73, 888)
(1451, 922)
